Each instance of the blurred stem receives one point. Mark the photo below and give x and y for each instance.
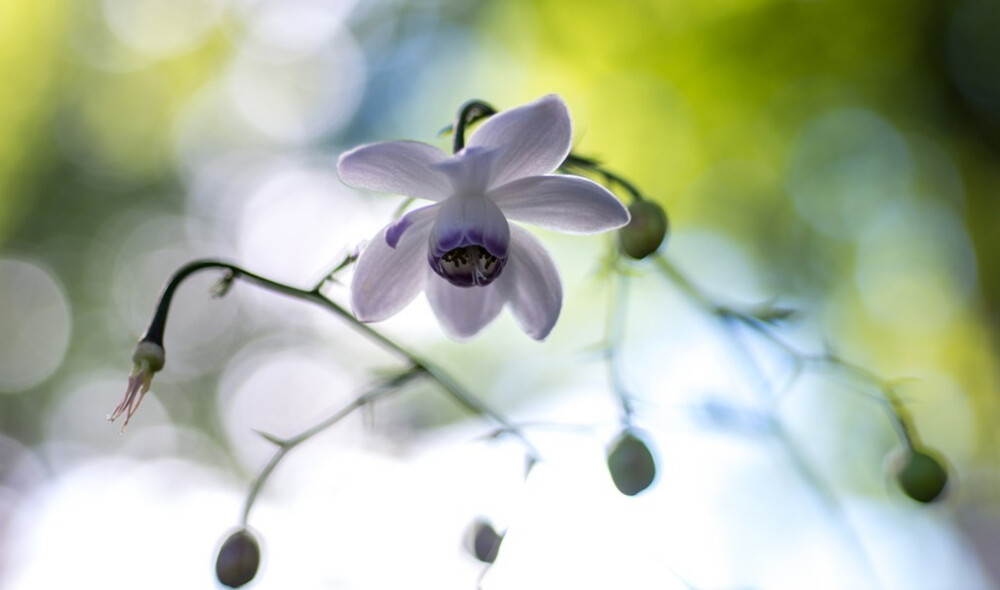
(721, 313)
(729, 319)
(617, 313)
(833, 503)
(898, 416)
(455, 390)
(285, 446)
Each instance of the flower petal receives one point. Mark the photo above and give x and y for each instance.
(470, 170)
(535, 139)
(463, 311)
(395, 231)
(470, 220)
(531, 284)
(386, 279)
(564, 203)
(398, 167)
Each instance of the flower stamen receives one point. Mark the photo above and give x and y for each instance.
(468, 266)
(147, 359)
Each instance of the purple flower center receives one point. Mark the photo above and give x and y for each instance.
(468, 266)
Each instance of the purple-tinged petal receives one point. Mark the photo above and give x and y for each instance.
(563, 203)
(531, 284)
(395, 231)
(463, 311)
(470, 220)
(535, 139)
(470, 170)
(398, 167)
(386, 279)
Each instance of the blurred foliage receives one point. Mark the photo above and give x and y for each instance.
(807, 131)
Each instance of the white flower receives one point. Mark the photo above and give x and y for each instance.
(461, 249)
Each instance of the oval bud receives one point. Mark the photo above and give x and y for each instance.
(921, 476)
(645, 231)
(483, 541)
(238, 560)
(631, 464)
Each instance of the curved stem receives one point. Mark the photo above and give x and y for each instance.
(728, 316)
(472, 111)
(455, 390)
(582, 163)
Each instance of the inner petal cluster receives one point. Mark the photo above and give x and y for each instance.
(470, 240)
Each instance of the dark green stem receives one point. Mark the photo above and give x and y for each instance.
(472, 111)
(455, 390)
(581, 163)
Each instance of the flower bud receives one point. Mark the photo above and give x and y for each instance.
(150, 353)
(645, 231)
(920, 475)
(631, 464)
(483, 541)
(238, 560)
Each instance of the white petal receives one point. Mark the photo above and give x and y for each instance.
(398, 167)
(564, 203)
(535, 139)
(531, 284)
(395, 231)
(463, 311)
(470, 170)
(386, 279)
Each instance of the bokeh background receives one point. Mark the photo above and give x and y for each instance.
(839, 157)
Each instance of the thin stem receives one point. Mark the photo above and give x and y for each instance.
(285, 446)
(588, 164)
(455, 390)
(725, 317)
(728, 316)
(896, 412)
(618, 308)
(801, 465)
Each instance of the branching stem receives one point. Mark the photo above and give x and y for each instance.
(454, 389)
(285, 446)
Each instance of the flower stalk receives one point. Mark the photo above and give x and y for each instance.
(315, 295)
(885, 396)
(285, 446)
(470, 113)
(578, 162)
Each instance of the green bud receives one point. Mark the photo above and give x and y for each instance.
(920, 475)
(631, 464)
(239, 558)
(645, 231)
(483, 541)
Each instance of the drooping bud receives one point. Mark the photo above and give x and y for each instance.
(921, 476)
(238, 560)
(147, 358)
(483, 541)
(645, 231)
(631, 463)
